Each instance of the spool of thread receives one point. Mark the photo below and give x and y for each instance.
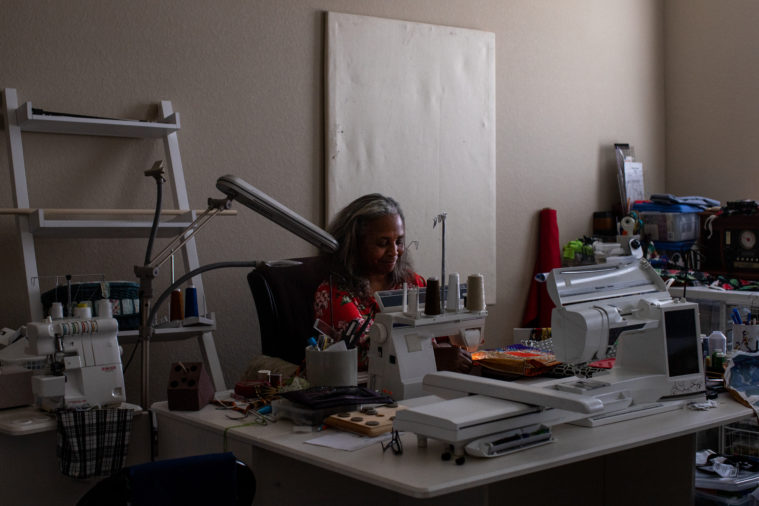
(56, 311)
(475, 292)
(104, 308)
(628, 225)
(413, 302)
(604, 223)
(175, 309)
(454, 293)
(190, 302)
(83, 311)
(432, 299)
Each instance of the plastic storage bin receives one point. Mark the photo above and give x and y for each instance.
(670, 226)
(669, 223)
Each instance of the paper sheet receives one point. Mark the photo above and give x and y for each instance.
(347, 441)
(634, 182)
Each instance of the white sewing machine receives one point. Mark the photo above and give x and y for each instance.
(658, 357)
(85, 362)
(401, 352)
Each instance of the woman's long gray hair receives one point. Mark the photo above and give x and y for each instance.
(349, 228)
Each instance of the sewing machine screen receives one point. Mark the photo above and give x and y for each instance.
(682, 342)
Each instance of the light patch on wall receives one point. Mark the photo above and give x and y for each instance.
(410, 111)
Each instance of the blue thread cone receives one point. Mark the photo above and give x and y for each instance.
(190, 302)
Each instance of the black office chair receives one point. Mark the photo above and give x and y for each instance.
(284, 298)
(218, 479)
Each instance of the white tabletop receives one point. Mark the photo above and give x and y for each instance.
(420, 472)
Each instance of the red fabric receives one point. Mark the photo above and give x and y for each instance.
(537, 313)
(347, 307)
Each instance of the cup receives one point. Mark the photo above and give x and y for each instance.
(332, 368)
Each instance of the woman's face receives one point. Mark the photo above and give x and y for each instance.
(382, 245)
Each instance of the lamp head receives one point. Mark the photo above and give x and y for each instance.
(258, 201)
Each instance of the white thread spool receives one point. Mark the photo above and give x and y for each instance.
(104, 308)
(475, 292)
(628, 225)
(454, 293)
(413, 302)
(83, 312)
(56, 311)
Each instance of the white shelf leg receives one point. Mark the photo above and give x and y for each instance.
(21, 199)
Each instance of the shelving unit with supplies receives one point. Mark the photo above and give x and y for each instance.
(35, 223)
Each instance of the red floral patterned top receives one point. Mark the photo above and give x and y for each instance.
(347, 307)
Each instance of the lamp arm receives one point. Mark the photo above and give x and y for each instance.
(215, 206)
(191, 274)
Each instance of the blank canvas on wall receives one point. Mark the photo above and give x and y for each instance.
(410, 113)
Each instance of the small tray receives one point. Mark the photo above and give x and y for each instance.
(367, 422)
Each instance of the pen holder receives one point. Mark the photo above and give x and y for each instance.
(332, 368)
(745, 337)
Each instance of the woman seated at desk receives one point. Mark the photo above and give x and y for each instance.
(371, 257)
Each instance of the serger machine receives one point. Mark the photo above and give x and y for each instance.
(85, 362)
(600, 310)
(401, 351)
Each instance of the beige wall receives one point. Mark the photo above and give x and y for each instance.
(572, 78)
(712, 83)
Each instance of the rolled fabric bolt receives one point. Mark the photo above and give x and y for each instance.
(175, 309)
(432, 299)
(475, 299)
(454, 293)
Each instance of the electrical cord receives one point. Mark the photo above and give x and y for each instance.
(161, 298)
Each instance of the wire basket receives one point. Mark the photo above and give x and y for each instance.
(741, 438)
(124, 295)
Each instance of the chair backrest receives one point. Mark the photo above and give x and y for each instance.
(284, 298)
(217, 478)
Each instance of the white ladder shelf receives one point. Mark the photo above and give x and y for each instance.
(102, 223)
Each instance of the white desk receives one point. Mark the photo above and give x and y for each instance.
(643, 461)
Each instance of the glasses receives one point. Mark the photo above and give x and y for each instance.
(395, 444)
